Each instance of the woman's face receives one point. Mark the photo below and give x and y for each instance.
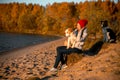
(78, 26)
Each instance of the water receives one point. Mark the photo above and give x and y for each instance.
(10, 41)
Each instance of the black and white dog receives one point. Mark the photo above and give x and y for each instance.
(108, 34)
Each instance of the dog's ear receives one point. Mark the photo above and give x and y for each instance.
(70, 30)
(101, 22)
(104, 23)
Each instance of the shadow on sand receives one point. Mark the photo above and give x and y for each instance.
(94, 49)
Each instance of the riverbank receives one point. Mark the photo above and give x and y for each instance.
(35, 62)
(30, 61)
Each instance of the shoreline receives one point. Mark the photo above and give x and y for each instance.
(31, 48)
(30, 61)
(10, 41)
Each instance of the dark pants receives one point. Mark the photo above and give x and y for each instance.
(61, 51)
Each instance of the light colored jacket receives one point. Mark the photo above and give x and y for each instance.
(80, 39)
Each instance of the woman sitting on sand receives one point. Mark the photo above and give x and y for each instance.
(79, 42)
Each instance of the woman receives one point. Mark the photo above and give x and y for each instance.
(79, 42)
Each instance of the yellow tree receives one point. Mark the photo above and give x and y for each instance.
(14, 16)
(38, 12)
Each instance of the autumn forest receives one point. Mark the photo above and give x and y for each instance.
(54, 18)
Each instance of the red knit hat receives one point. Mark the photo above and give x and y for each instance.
(82, 22)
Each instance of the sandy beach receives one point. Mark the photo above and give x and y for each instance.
(34, 62)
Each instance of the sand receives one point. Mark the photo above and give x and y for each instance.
(36, 61)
